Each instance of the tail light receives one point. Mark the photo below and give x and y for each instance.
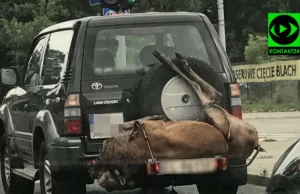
(72, 115)
(222, 163)
(153, 168)
(236, 103)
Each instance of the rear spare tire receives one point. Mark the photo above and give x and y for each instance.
(162, 92)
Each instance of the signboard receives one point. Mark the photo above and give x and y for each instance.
(95, 2)
(283, 34)
(273, 71)
(107, 12)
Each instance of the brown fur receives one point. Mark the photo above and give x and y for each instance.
(243, 136)
(179, 140)
(171, 140)
(174, 140)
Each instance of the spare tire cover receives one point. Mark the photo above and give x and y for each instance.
(163, 92)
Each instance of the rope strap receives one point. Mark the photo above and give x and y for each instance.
(221, 110)
(134, 134)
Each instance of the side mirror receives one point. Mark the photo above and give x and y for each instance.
(8, 77)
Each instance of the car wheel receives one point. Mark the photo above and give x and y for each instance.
(280, 191)
(154, 191)
(217, 190)
(57, 182)
(12, 183)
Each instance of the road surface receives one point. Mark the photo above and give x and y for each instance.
(278, 126)
(94, 189)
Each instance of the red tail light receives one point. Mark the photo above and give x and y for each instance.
(72, 114)
(73, 126)
(236, 104)
(152, 168)
(237, 112)
(222, 163)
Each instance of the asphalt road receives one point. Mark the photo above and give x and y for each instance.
(95, 189)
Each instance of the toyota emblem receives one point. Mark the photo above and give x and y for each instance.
(97, 86)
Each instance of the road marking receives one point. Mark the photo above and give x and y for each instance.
(278, 136)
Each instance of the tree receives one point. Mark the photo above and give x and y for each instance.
(256, 51)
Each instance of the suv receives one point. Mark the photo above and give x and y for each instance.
(87, 71)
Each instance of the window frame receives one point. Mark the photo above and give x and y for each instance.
(32, 48)
(46, 50)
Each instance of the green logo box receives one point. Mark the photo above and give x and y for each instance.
(284, 33)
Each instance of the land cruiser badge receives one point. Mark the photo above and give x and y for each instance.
(96, 86)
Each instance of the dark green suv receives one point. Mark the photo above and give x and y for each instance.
(84, 77)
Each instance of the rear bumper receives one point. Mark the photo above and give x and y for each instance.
(67, 154)
(232, 177)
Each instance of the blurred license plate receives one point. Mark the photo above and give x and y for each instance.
(105, 125)
(187, 166)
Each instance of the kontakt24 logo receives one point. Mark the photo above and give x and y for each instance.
(284, 33)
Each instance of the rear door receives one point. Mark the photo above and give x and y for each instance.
(49, 95)
(20, 105)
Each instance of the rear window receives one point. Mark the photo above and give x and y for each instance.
(116, 50)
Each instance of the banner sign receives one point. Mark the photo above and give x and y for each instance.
(273, 71)
(95, 2)
(108, 12)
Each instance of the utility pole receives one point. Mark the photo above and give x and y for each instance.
(221, 23)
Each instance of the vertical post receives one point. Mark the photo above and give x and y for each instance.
(248, 98)
(271, 92)
(221, 23)
(298, 84)
(121, 53)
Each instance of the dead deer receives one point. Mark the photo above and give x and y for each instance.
(242, 137)
(169, 140)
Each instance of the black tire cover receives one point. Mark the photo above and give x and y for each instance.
(157, 76)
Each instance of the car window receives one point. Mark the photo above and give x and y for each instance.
(120, 50)
(32, 76)
(56, 57)
(190, 46)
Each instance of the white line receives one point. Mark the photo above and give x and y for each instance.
(278, 134)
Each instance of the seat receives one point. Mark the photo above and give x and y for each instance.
(103, 61)
(146, 55)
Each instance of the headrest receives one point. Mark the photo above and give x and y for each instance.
(146, 55)
(103, 59)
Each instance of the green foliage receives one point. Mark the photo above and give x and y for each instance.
(256, 51)
(20, 18)
(19, 36)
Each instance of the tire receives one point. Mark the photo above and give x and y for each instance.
(17, 184)
(279, 191)
(154, 191)
(158, 75)
(58, 182)
(217, 190)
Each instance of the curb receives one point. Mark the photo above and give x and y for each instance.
(258, 180)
